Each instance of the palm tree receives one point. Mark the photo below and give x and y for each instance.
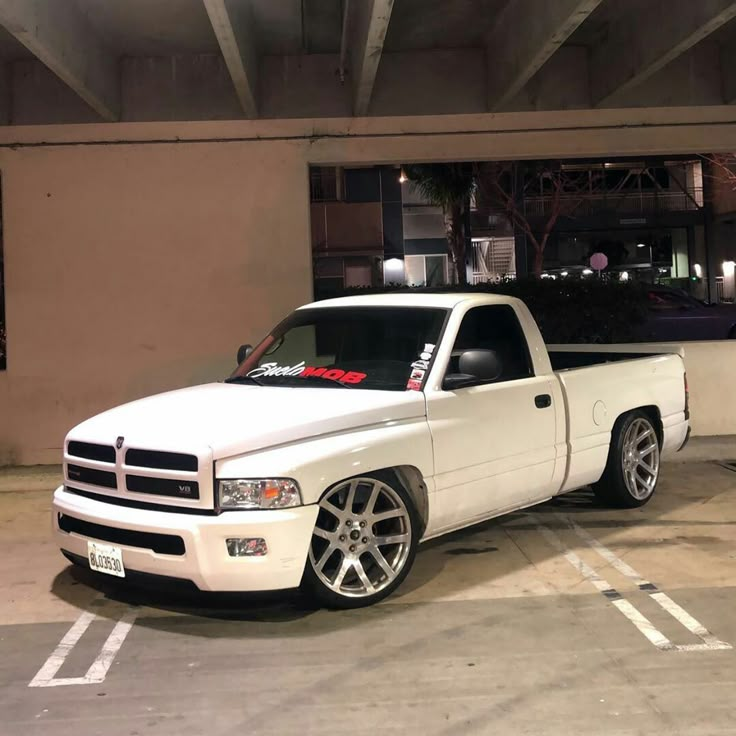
(450, 187)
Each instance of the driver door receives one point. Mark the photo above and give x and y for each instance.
(494, 442)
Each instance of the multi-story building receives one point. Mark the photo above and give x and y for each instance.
(356, 226)
(649, 217)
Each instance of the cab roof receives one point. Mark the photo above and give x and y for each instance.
(447, 300)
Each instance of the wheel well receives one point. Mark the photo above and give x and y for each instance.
(413, 483)
(654, 415)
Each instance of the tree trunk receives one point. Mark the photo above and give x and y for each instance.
(538, 262)
(456, 242)
(539, 252)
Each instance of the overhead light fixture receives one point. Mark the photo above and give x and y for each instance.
(641, 245)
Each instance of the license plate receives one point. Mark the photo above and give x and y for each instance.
(106, 558)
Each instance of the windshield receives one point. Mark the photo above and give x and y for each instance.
(386, 348)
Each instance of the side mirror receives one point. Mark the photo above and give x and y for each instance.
(243, 352)
(457, 380)
(476, 366)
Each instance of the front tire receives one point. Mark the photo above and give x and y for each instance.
(364, 542)
(632, 470)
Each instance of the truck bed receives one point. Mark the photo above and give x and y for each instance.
(565, 361)
(569, 357)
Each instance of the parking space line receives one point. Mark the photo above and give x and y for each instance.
(98, 670)
(53, 664)
(675, 610)
(633, 614)
(46, 676)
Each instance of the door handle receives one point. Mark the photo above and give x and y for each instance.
(542, 401)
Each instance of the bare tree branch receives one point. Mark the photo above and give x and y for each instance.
(723, 168)
(561, 193)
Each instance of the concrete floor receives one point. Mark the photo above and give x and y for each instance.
(496, 631)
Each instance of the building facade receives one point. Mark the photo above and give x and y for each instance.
(655, 220)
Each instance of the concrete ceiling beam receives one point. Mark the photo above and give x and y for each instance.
(638, 47)
(369, 25)
(514, 57)
(233, 27)
(61, 37)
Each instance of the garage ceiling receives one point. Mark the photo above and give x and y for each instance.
(86, 60)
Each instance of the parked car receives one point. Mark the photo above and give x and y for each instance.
(674, 315)
(357, 428)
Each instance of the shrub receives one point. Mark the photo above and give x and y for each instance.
(566, 310)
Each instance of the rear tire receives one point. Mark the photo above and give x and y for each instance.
(364, 542)
(632, 470)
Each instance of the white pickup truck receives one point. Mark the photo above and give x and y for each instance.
(357, 428)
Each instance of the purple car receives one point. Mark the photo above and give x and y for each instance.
(674, 315)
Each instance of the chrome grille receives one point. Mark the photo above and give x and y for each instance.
(162, 475)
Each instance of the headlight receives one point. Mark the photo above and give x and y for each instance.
(264, 493)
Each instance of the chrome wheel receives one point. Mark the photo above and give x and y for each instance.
(640, 459)
(362, 538)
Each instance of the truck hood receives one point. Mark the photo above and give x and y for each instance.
(232, 418)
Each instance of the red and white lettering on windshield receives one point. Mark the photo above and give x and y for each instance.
(301, 369)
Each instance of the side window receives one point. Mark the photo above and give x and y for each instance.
(497, 328)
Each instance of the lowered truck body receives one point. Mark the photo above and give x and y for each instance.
(356, 429)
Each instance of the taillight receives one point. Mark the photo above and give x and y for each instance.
(687, 399)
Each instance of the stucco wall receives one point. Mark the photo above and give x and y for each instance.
(139, 255)
(131, 270)
(710, 373)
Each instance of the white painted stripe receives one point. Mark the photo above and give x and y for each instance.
(675, 610)
(58, 656)
(702, 647)
(616, 562)
(690, 623)
(642, 623)
(99, 668)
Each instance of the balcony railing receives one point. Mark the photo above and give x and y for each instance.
(631, 202)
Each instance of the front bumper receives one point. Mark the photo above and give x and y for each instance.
(205, 561)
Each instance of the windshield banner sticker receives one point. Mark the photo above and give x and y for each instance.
(426, 354)
(419, 368)
(268, 370)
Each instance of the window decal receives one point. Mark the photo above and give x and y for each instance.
(301, 369)
(419, 368)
